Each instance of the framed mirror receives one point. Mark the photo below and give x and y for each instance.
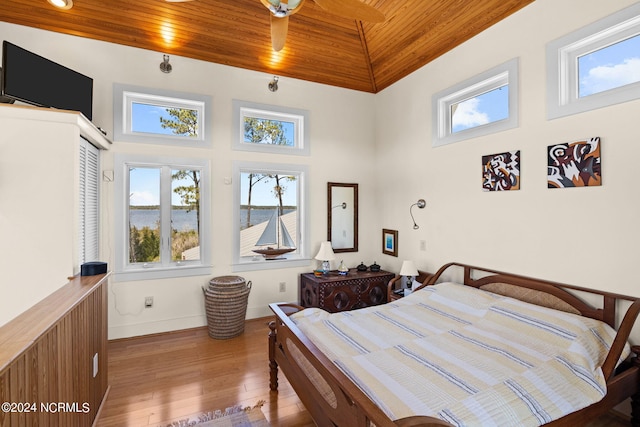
(342, 208)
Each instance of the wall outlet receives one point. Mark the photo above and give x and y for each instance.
(148, 302)
(423, 245)
(283, 286)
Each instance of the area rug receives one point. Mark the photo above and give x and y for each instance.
(234, 416)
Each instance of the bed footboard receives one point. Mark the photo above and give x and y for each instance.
(326, 392)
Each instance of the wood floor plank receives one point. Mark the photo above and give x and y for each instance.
(157, 379)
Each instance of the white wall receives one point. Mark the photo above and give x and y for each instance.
(342, 142)
(582, 236)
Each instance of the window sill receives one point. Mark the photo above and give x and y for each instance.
(262, 264)
(162, 273)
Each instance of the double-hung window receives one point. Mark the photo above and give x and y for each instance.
(270, 216)
(481, 105)
(163, 217)
(595, 66)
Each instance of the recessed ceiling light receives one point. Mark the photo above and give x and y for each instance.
(62, 4)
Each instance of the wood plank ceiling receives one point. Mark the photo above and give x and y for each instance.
(320, 47)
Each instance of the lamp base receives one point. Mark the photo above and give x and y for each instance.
(325, 267)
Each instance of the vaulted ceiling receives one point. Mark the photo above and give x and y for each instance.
(320, 47)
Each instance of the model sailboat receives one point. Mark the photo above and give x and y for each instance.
(275, 233)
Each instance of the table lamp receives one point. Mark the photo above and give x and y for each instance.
(325, 254)
(409, 270)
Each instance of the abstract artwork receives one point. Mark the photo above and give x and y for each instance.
(501, 172)
(574, 164)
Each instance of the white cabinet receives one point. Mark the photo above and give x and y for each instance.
(40, 201)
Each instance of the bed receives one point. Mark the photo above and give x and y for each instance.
(348, 395)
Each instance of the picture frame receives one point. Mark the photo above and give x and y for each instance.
(390, 242)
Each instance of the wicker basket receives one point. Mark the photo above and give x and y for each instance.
(226, 305)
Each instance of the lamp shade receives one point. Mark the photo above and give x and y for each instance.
(326, 252)
(408, 269)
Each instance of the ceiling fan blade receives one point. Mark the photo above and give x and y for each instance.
(279, 28)
(353, 9)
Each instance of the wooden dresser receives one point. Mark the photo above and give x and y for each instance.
(335, 292)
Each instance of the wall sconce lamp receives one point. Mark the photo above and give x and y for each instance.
(409, 270)
(325, 254)
(62, 4)
(421, 204)
(273, 84)
(165, 67)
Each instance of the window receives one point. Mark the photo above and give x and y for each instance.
(596, 66)
(160, 116)
(162, 217)
(89, 197)
(270, 216)
(270, 129)
(484, 104)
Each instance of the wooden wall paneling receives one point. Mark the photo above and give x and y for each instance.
(57, 367)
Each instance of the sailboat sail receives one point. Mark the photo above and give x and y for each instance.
(287, 241)
(270, 234)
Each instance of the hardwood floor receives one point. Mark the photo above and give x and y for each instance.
(155, 380)
(162, 378)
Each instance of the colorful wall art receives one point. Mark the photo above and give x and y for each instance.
(575, 164)
(501, 172)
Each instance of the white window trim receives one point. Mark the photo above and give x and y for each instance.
(300, 259)
(504, 74)
(300, 118)
(127, 272)
(562, 67)
(124, 96)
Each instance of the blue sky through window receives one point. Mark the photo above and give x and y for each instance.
(610, 67)
(144, 187)
(146, 118)
(486, 108)
(262, 193)
(287, 127)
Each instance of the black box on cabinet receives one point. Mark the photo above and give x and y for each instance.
(93, 268)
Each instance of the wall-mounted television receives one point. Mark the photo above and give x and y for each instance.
(36, 80)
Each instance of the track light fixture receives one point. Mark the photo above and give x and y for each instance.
(273, 84)
(165, 67)
(420, 204)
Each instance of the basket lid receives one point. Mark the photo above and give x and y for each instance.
(227, 280)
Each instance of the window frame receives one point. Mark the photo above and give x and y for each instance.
(503, 74)
(299, 259)
(124, 96)
(562, 66)
(124, 271)
(300, 118)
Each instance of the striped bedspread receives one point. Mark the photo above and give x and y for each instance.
(466, 356)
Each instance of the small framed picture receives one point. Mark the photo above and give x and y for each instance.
(390, 242)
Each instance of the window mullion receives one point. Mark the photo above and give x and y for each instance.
(165, 215)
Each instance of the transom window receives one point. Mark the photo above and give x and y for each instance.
(269, 216)
(595, 66)
(163, 217)
(481, 105)
(270, 129)
(160, 117)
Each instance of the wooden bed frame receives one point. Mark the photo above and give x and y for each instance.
(333, 400)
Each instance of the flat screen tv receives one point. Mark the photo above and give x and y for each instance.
(36, 80)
